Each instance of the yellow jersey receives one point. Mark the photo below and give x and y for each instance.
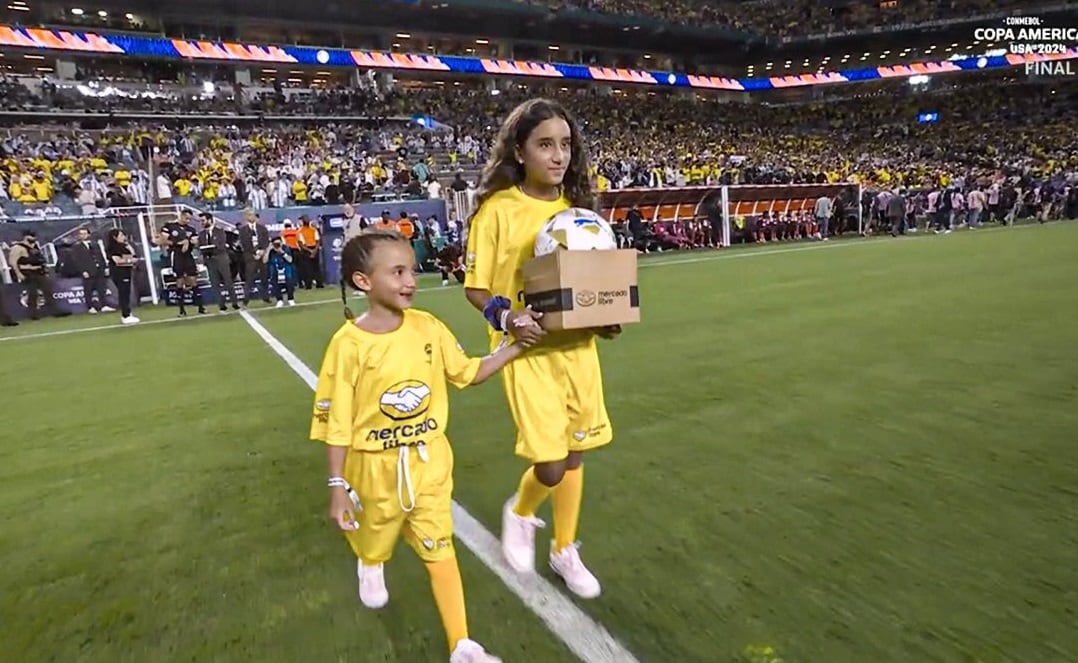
(500, 241)
(502, 238)
(383, 391)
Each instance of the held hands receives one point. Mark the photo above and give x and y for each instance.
(524, 326)
(340, 510)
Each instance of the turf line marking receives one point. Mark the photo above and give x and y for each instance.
(652, 262)
(581, 634)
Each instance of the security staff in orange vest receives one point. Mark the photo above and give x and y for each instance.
(386, 222)
(308, 258)
(405, 226)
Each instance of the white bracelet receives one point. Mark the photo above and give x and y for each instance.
(505, 319)
(337, 482)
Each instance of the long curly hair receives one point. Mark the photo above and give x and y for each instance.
(503, 171)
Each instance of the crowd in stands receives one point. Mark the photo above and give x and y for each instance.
(1023, 131)
(790, 18)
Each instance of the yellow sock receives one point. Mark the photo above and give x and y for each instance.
(448, 593)
(566, 498)
(530, 494)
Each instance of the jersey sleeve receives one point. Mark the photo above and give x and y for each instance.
(334, 395)
(481, 255)
(460, 369)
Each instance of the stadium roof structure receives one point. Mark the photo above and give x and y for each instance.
(497, 19)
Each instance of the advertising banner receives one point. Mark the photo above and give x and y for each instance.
(67, 295)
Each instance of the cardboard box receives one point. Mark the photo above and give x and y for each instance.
(582, 289)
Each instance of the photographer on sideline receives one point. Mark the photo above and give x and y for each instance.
(30, 269)
(281, 272)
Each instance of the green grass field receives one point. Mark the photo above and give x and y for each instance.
(862, 452)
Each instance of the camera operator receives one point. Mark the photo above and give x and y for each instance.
(30, 269)
(451, 261)
(182, 238)
(281, 272)
(213, 246)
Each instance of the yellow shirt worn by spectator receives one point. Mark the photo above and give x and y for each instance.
(299, 191)
(42, 190)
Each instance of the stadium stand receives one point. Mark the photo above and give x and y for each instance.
(637, 140)
(775, 18)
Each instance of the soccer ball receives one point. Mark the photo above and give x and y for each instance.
(575, 229)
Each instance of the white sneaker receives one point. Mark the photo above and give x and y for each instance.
(518, 538)
(470, 651)
(107, 309)
(91, 311)
(372, 585)
(280, 304)
(577, 577)
(291, 302)
(445, 282)
(129, 320)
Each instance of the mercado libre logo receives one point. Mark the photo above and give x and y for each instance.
(405, 400)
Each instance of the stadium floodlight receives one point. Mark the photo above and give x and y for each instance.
(919, 79)
(103, 14)
(75, 11)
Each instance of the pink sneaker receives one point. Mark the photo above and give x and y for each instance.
(518, 538)
(567, 564)
(372, 585)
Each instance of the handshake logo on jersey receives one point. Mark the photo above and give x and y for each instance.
(405, 400)
(408, 399)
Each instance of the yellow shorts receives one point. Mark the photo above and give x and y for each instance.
(427, 526)
(556, 397)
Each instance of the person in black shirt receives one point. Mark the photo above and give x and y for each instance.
(5, 319)
(122, 261)
(182, 240)
(86, 258)
(450, 259)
